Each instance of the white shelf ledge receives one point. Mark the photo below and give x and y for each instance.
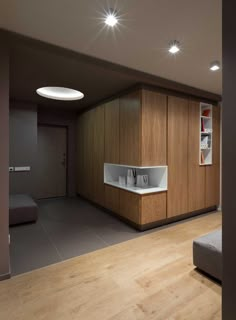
(204, 117)
(137, 190)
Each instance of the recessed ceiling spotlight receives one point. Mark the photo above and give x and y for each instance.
(174, 47)
(60, 93)
(111, 18)
(215, 66)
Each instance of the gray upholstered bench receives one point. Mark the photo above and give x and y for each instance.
(207, 254)
(22, 209)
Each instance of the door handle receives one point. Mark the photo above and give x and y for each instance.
(63, 162)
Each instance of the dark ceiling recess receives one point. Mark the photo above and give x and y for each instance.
(35, 64)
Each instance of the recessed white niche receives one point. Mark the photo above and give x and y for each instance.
(206, 134)
(157, 177)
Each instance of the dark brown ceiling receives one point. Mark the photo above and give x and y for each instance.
(34, 64)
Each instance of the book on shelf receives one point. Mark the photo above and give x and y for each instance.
(206, 113)
(202, 125)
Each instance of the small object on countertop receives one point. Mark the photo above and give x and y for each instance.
(122, 181)
(131, 177)
(142, 181)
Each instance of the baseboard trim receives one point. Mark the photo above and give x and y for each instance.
(181, 217)
(5, 276)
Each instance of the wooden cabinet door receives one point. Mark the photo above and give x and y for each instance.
(153, 207)
(98, 156)
(154, 128)
(213, 171)
(112, 199)
(130, 129)
(196, 173)
(130, 206)
(177, 196)
(112, 131)
(79, 153)
(212, 185)
(87, 154)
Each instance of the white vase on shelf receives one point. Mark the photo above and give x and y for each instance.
(131, 177)
(142, 181)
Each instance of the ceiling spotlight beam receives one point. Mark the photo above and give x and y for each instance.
(174, 47)
(215, 66)
(111, 18)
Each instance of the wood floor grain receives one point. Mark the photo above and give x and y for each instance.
(151, 277)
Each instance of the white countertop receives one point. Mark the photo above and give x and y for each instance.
(137, 190)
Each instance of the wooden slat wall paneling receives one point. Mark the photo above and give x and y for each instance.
(112, 132)
(196, 173)
(98, 155)
(79, 153)
(177, 198)
(154, 128)
(130, 129)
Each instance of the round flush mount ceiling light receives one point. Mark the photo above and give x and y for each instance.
(174, 47)
(60, 93)
(111, 18)
(215, 66)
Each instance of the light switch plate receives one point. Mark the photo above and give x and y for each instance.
(11, 169)
(20, 169)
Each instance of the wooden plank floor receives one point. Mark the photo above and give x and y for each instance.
(151, 277)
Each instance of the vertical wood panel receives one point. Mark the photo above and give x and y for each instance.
(81, 168)
(154, 127)
(196, 173)
(130, 129)
(98, 155)
(130, 206)
(112, 131)
(177, 156)
(112, 199)
(212, 185)
(153, 207)
(88, 154)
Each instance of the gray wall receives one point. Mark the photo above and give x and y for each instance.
(68, 119)
(23, 146)
(4, 161)
(229, 160)
(24, 119)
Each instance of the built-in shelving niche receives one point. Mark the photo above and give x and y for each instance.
(206, 133)
(157, 177)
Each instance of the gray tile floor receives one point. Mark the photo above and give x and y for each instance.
(67, 227)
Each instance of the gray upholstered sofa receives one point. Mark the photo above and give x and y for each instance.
(22, 209)
(207, 254)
